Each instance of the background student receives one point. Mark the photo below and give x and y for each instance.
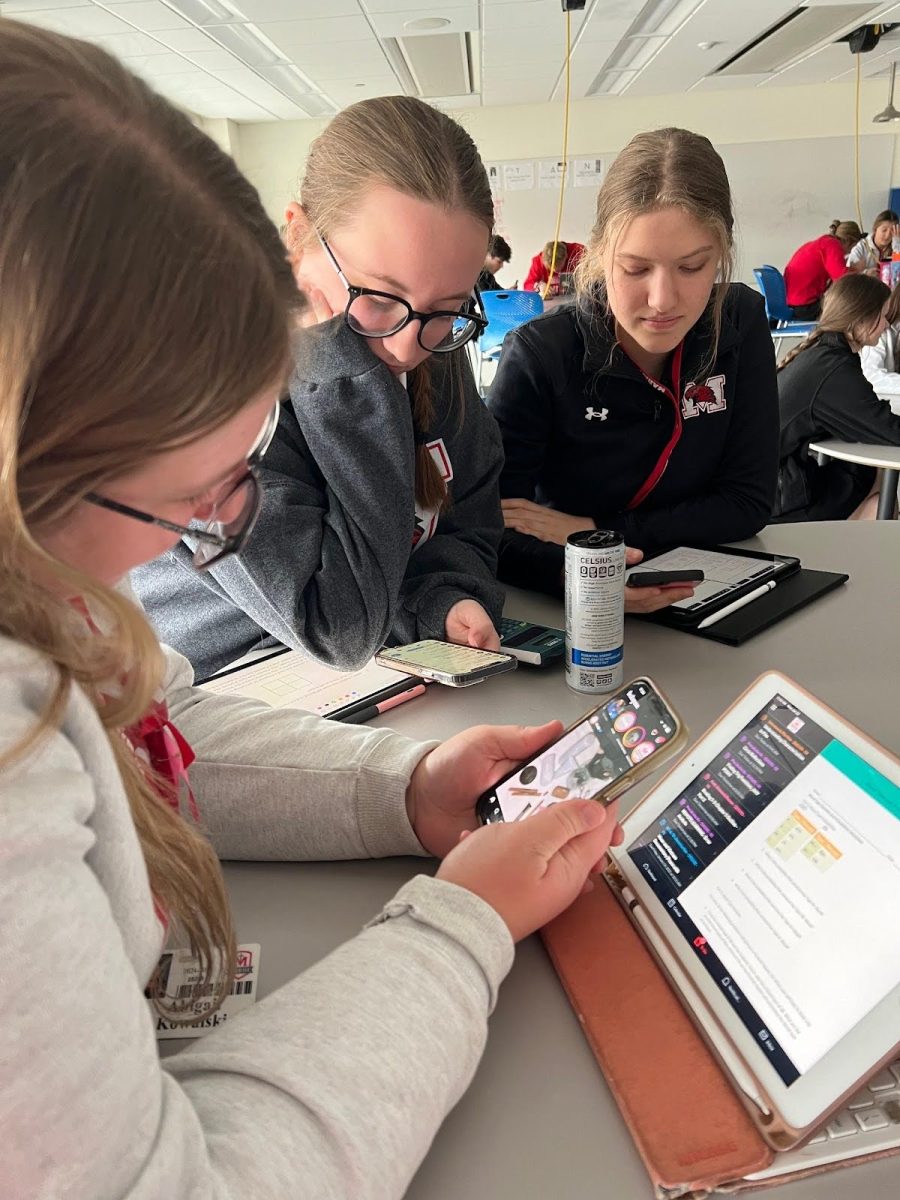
(563, 256)
(381, 514)
(875, 248)
(880, 362)
(649, 407)
(498, 255)
(142, 371)
(822, 392)
(816, 265)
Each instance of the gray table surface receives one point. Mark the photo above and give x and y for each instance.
(538, 1120)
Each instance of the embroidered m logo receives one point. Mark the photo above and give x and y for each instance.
(704, 397)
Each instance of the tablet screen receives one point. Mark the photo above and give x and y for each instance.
(780, 865)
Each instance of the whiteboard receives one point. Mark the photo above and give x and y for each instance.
(785, 193)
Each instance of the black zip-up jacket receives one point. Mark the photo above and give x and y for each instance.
(583, 429)
(823, 393)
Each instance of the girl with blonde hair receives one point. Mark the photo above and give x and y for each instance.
(822, 393)
(649, 406)
(144, 344)
(381, 515)
(875, 248)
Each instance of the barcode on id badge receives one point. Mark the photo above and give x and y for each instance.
(240, 987)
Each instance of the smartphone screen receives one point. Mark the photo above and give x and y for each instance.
(626, 729)
(447, 663)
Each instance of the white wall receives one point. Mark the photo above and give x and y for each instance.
(789, 152)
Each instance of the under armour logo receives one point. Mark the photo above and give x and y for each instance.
(590, 413)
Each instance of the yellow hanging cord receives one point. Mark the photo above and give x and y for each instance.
(565, 158)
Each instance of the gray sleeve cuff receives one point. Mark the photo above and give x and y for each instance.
(461, 916)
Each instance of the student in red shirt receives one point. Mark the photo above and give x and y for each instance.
(566, 259)
(816, 265)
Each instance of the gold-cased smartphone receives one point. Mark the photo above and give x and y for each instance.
(607, 751)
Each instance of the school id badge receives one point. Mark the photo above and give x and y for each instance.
(178, 984)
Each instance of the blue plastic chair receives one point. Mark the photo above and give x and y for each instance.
(505, 311)
(771, 284)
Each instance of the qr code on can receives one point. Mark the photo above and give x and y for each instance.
(587, 679)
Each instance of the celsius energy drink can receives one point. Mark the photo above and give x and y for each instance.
(595, 610)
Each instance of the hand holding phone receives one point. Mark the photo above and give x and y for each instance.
(598, 758)
(529, 876)
(646, 579)
(446, 662)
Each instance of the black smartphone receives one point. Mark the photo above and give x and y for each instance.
(602, 755)
(640, 579)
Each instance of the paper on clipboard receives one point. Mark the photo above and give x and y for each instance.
(291, 680)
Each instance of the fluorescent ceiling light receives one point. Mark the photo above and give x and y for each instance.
(611, 83)
(288, 79)
(246, 44)
(399, 65)
(635, 53)
(206, 12)
(664, 16)
(316, 105)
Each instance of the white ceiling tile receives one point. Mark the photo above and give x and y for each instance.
(153, 65)
(397, 24)
(130, 45)
(344, 93)
(11, 7)
(346, 60)
(214, 60)
(520, 45)
(86, 21)
(522, 92)
(184, 40)
(287, 34)
(391, 6)
(530, 14)
(294, 10)
(725, 83)
(149, 15)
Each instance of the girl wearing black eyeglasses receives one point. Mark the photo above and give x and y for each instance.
(380, 518)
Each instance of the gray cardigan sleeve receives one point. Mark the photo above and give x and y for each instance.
(331, 1087)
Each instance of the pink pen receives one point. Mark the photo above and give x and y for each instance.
(374, 710)
(392, 702)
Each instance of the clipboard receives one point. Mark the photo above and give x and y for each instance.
(789, 595)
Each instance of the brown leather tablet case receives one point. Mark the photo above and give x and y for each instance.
(691, 1130)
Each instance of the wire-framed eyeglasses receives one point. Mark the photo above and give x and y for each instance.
(229, 521)
(374, 314)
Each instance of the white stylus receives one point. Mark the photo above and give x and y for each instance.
(730, 608)
(685, 985)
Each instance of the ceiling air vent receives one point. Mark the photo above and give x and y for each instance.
(798, 33)
(437, 64)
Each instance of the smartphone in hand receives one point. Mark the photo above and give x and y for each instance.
(641, 579)
(445, 662)
(598, 758)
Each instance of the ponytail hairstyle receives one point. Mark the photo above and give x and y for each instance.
(852, 305)
(660, 169)
(402, 143)
(145, 299)
(848, 233)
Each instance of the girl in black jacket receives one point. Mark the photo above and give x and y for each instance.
(649, 406)
(822, 392)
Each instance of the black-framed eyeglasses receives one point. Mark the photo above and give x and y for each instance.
(231, 517)
(374, 314)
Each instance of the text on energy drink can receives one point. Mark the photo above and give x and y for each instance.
(595, 610)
